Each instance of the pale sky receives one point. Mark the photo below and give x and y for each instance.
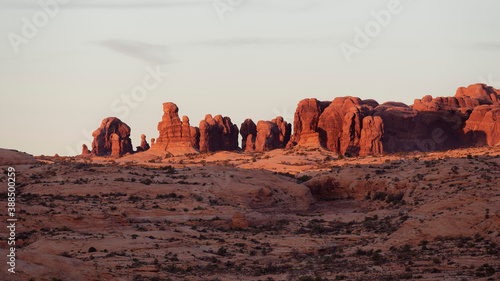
(255, 60)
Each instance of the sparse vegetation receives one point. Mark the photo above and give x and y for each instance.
(178, 222)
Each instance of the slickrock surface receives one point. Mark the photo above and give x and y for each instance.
(291, 214)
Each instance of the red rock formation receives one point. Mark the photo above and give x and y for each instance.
(371, 136)
(305, 122)
(268, 135)
(218, 134)
(85, 150)
(175, 135)
(340, 124)
(105, 144)
(480, 92)
(144, 144)
(115, 145)
(483, 126)
(351, 126)
(285, 131)
(195, 137)
(248, 131)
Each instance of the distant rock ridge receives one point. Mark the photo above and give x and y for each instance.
(352, 126)
(346, 125)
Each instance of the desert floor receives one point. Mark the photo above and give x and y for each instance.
(310, 216)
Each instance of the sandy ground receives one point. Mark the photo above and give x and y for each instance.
(310, 216)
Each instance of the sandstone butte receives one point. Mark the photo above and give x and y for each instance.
(346, 125)
(111, 138)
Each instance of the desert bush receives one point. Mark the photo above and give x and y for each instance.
(222, 251)
(303, 178)
(485, 270)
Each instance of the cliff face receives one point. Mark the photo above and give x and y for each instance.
(349, 125)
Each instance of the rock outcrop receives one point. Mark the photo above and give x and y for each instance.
(371, 136)
(218, 133)
(305, 123)
(176, 136)
(272, 134)
(248, 131)
(352, 126)
(483, 126)
(112, 138)
(340, 124)
(346, 125)
(144, 144)
(267, 135)
(285, 131)
(85, 150)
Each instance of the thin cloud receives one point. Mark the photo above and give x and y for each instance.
(157, 54)
(488, 46)
(267, 41)
(109, 4)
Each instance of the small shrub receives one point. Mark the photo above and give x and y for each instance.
(303, 179)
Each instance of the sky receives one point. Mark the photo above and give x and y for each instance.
(65, 65)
